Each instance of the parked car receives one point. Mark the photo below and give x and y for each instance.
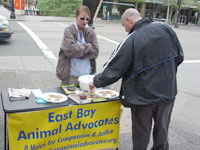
(5, 31)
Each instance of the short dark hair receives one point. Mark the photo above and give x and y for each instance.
(83, 8)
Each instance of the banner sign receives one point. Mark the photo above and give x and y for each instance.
(20, 4)
(88, 127)
(17, 4)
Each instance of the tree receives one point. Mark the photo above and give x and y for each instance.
(65, 8)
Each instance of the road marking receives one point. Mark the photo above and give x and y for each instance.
(182, 30)
(48, 54)
(191, 61)
(61, 24)
(101, 37)
(117, 43)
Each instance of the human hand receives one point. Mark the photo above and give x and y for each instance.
(88, 45)
(91, 86)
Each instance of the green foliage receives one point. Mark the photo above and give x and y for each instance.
(65, 8)
(198, 8)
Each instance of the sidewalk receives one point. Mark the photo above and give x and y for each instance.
(98, 20)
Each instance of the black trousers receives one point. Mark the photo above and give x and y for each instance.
(142, 118)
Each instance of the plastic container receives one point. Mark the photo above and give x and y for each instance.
(84, 82)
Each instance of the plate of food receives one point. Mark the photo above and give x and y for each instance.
(54, 97)
(107, 93)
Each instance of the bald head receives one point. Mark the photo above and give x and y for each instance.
(132, 13)
(129, 18)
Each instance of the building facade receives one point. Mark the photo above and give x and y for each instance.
(182, 11)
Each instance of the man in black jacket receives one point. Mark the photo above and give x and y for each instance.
(147, 61)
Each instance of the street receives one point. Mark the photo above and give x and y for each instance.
(29, 59)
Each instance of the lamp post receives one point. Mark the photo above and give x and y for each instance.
(12, 15)
(168, 5)
(179, 9)
(90, 5)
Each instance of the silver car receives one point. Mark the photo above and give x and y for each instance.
(5, 31)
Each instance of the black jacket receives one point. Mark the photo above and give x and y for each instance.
(147, 61)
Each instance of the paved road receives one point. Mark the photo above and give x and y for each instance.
(25, 62)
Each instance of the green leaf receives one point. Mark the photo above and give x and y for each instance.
(58, 7)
